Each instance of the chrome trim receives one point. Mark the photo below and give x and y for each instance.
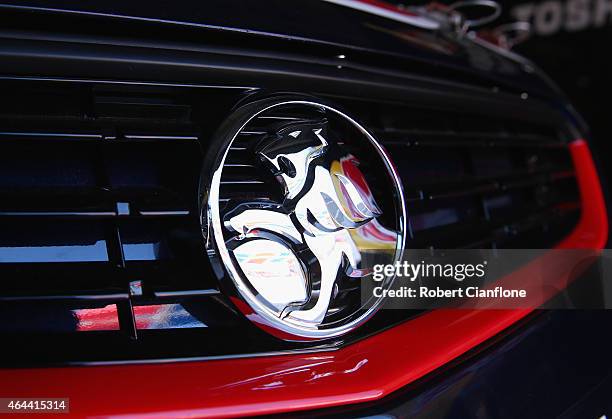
(135, 288)
(472, 23)
(185, 293)
(164, 213)
(231, 279)
(160, 137)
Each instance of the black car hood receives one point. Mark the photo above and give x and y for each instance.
(318, 21)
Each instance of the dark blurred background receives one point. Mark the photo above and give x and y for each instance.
(570, 41)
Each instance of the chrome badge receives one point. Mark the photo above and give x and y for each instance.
(299, 205)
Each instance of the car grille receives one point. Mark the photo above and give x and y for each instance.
(101, 252)
(480, 182)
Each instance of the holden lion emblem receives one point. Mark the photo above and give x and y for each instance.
(293, 224)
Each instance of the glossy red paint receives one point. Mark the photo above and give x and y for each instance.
(365, 371)
(592, 231)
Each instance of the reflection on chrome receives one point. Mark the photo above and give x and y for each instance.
(160, 316)
(164, 316)
(293, 259)
(328, 206)
(274, 271)
(96, 319)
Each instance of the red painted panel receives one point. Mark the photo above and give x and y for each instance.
(365, 371)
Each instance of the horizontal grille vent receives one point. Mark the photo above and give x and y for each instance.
(478, 182)
(99, 213)
(85, 218)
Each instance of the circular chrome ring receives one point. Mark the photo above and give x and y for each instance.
(473, 23)
(230, 276)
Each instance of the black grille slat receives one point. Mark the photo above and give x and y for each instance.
(466, 139)
(466, 235)
(491, 185)
(474, 181)
(121, 178)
